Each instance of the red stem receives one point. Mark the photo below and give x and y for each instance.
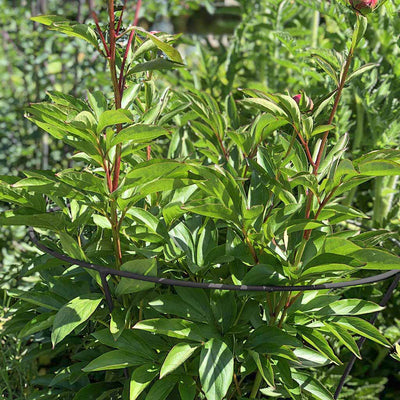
(334, 109)
(325, 202)
(148, 152)
(121, 17)
(128, 46)
(117, 164)
(317, 163)
(96, 21)
(306, 148)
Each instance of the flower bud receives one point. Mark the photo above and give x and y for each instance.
(364, 6)
(304, 102)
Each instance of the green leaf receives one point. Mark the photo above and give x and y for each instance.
(265, 125)
(173, 327)
(310, 358)
(326, 269)
(67, 100)
(129, 341)
(187, 388)
(379, 168)
(101, 221)
(364, 68)
(198, 300)
(359, 30)
(53, 221)
(290, 106)
(141, 378)
(34, 181)
(115, 359)
(312, 386)
(264, 366)
(117, 322)
(157, 169)
(138, 133)
(215, 369)
(37, 324)
(363, 328)
(317, 340)
(322, 129)
(97, 102)
(155, 65)
(262, 274)
(176, 357)
(212, 208)
(51, 301)
(71, 246)
(73, 314)
(146, 266)
(70, 28)
(267, 339)
(170, 51)
(265, 105)
(94, 391)
(130, 95)
(173, 304)
(327, 65)
(377, 259)
(162, 388)
(83, 181)
(344, 337)
(113, 117)
(349, 307)
(299, 225)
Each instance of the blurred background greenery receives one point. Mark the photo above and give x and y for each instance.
(266, 44)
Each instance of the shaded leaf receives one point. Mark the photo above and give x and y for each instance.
(73, 314)
(215, 369)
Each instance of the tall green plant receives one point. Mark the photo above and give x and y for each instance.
(255, 201)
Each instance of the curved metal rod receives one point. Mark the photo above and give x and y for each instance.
(105, 271)
(361, 341)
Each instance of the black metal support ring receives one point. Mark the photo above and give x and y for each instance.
(204, 285)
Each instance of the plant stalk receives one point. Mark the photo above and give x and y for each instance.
(318, 160)
(117, 162)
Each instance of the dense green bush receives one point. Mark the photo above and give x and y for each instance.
(207, 183)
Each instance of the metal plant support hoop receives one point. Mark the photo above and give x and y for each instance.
(106, 271)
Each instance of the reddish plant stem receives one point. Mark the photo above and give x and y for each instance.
(117, 92)
(325, 201)
(128, 46)
(121, 17)
(119, 83)
(112, 57)
(108, 176)
(318, 160)
(306, 148)
(148, 152)
(115, 224)
(96, 21)
(250, 245)
(334, 109)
